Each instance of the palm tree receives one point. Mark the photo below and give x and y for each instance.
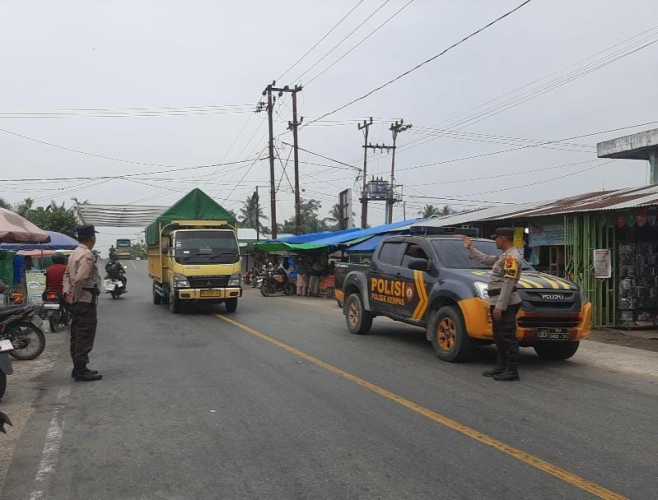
(5, 204)
(251, 214)
(429, 211)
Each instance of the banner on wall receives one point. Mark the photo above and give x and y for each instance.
(602, 263)
(546, 235)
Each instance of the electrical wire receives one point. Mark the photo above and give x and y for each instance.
(105, 157)
(131, 112)
(343, 40)
(323, 156)
(507, 150)
(354, 47)
(421, 64)
(331, 30)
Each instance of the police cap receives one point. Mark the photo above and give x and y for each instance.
(505, 232)
(85, 233)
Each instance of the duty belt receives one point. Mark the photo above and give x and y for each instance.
(496, 292)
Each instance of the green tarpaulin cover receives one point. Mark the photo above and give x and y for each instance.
(7, 267)
(195, 205)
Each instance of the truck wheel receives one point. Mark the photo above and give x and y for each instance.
(556, 351)
(157, 298)
(231, 305)
(174, 303)
(359, 321)
(448, 335)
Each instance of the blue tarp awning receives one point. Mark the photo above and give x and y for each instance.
(367, 246)
(332, 240)
(58, 241)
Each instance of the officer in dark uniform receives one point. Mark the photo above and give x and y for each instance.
(504, 301)
(81, 291)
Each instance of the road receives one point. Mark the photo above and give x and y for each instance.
(278, 401)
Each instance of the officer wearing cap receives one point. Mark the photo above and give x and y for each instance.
(504, 301)
(81, 291)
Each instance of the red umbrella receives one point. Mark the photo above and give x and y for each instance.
(16, 229)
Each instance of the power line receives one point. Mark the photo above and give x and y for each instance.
(421, 64)
(342, 40)
(102, 156)
(325, 157)
(459, 199)
(501, 151)
(331, 30)
(389, 19)
(134, 112)
(123, 176)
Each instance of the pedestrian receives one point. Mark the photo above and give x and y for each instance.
(81, 291)
(302, 276)
(504, 301)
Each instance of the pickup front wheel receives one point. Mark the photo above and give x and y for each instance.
(358, 319)
(448, 335)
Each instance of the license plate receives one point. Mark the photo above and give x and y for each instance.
(6, 345)
(211, 293)
(553, 333)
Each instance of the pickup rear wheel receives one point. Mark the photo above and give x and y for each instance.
(448, 335)
(556, 351)
(359, 321)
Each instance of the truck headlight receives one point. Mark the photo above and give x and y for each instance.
(235, 280)
(181, 281)
(481, 289)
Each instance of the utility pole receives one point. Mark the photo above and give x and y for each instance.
(270, 103)
(396, 127)
(294, 125)
(257, 215)
(364, 194)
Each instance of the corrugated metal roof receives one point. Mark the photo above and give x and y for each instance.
(590, 202)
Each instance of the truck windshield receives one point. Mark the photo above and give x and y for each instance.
(123, 243)
(453, 254)
(206, 247)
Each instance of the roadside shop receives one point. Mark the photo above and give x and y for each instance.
(23, 266)
(607, 242)
(312, 257)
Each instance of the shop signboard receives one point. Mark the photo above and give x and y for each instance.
(602, 263)
(546, 235)
(35, 282)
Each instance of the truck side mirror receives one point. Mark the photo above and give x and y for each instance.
(420, 265)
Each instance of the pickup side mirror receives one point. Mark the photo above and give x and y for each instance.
(420, 265)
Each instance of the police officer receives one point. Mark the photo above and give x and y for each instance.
(504, 301)
(81, 291)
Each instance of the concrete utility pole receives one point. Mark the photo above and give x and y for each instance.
(364, 194)
(257, 215)
(294, 125)
(269, 107)
(396, 127)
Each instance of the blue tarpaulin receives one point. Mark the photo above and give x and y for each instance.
(330, 241)
(58, 241)
(367, 246)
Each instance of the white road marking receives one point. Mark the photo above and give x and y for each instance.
(50, 453)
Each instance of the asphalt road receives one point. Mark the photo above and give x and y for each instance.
(279, 401)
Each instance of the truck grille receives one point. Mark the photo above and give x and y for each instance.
(548, 322)
(208, 281)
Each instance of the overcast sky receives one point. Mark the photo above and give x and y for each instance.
(210, 60)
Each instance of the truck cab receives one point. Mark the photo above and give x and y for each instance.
(431, 282)
(196, 262)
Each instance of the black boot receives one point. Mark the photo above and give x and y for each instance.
(87, 376)
(499, 368)
(77, 371)
(511, 372)
(494, 371)
(508, 375)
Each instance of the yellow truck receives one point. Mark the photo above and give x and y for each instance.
(193, 254)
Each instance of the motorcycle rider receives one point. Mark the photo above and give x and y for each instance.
(115, 270)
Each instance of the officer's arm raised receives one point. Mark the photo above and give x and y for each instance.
(481, 256)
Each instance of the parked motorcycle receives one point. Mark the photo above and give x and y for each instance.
(5, 364)
(114, 287)
(17, 324)
(276, 283)
(54, 310)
